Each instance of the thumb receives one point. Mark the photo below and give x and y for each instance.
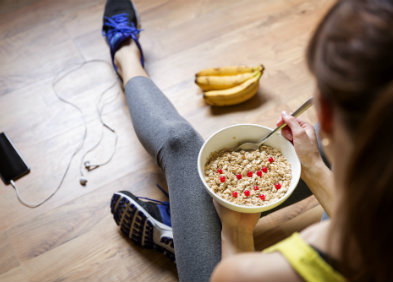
(292, 123)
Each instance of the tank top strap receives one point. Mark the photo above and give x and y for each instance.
(305, 260)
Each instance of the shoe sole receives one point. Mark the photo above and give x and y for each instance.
(138, 225)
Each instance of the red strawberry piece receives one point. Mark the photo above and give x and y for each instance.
(249, 174)
(262, 197)
(271, 160)
(222, 178)
(247, 193)
(256, 188)
(277, 185)
(264, 169)
(239, 176)
(259, 173)
(219, 171)
(234, 194)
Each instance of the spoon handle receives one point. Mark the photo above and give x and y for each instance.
(296, 113)
(303, 107)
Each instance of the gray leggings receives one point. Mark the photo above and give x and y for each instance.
(175, 144)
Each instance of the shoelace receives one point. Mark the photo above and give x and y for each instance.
(119, 23)
(164, 203)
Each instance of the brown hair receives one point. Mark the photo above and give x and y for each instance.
(351, 56)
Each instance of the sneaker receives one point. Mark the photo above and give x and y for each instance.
(145, 221)
(119, 24)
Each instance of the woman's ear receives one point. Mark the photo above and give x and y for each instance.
(325, 114)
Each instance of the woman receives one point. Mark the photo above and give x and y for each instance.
(351, 57)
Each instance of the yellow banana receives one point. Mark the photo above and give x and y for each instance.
(231, 70)
(216, 82)
(234, 95)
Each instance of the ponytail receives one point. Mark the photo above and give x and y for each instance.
(351, 56)
(367, 206)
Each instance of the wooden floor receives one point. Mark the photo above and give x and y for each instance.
(73, 237)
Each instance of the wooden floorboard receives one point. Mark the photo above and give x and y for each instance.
(73, 237)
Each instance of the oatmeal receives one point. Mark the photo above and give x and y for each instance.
(249, 178)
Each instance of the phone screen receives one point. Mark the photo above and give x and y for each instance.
(12, 165)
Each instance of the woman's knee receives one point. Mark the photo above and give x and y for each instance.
(183, 135)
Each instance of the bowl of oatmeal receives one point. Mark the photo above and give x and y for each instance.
(248, 181)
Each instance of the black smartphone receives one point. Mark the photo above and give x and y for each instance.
(12, 166)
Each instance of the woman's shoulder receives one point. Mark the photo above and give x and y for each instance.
(317, 235)
(315, 231)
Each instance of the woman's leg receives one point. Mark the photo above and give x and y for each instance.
(172, 141)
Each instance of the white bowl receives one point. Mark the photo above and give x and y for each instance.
(229, 137)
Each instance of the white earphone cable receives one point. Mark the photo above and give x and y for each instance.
(83, 139)
(100, 109)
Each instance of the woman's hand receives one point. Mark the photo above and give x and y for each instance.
(236, 220)
(303, 137)
(237, 230)
(315, 173)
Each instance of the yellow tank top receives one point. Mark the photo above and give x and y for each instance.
(305, 260)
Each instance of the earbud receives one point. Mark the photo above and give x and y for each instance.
(90, 167)
(83, 181)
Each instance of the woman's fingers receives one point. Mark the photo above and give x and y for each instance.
(293, 127)
(292, 123)
(296, 128)
(280, 121)
(287, 133)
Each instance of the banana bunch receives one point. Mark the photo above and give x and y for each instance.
(225, 86)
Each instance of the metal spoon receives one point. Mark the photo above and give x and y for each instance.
(249, 146)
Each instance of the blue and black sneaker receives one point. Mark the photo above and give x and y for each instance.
(145, 221)
(121, 22)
